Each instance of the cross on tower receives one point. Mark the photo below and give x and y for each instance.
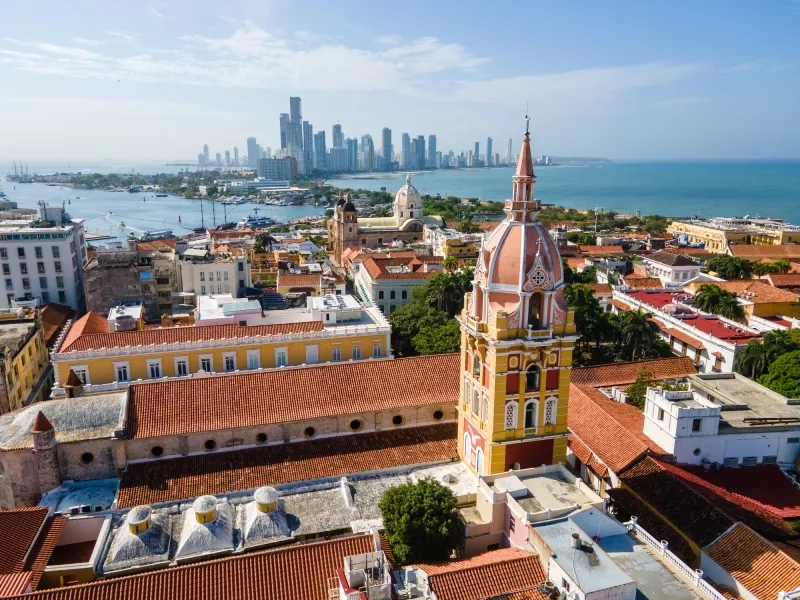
(538, 246)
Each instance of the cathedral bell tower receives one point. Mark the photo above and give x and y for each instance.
(342, 228)
(517, 338)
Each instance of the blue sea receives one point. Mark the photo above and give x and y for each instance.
(676, 189)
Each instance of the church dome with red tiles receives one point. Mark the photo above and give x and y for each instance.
(519, 268)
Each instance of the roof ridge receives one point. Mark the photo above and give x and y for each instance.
(612, 417)
(248, 556)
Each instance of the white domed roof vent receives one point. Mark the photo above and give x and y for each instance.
(266, 499)
(139, 519)
(265, 518)
(205, 509)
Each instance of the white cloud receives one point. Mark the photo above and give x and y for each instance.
(86, 41)
(781, 67)
(155, 12)
(583, 86)
(389, 40)
(750, 65)
(688, 101)
(125, 37)
(251, 57)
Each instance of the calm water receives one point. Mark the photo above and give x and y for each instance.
(668, 188)
(141, 212)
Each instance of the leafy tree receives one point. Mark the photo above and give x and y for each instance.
(450, 263)
(582, 239)
(467, 226)
(783, 375)
(588, 275)
(408, 320)
(730, 267)
(713, 299)
(382, 212)
(755, 358)
(422, 521)
(637, 391)
(438, 340)
(779, 266)
(264, 242)
(636, 331)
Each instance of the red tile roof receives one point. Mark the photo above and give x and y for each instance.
(18, 531)
(625, 373)
(180, 335)
(89, 324)
(602, 250)
(54, 317)
(156, 245)
(787, 251)
(576, 262)
(644, 283)
(14, 584)
(182, 406)
(600, 289)
(43, 548)
(679, 335)
(619, 304)
(760, 488)
(301, 280)
(784, 280)
(611, 430)
(377, 268)
(485, 575)
(754, 563)
(41, 423)
(757, 292)
(294, 572)
(223, 472)
(700, 520)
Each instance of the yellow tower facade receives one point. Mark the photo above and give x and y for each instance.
(517, 339)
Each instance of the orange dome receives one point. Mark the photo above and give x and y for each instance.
(519, 260)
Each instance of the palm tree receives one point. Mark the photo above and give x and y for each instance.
(636, 330)
(713, 299)
(450, 263)
(442, 292)
(782, 265)
(754, 358)
(728, 306)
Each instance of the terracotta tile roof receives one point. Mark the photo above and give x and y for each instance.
(181, 335)
(644, 283)
(628, 505)
(485, 575)
(303, 280)
(41, 423)
(680, 335)
(754, 563)
(182, 406)
(89, 324)
(576, 262)
(231, 233)
(789, 251)
(671, 259)
(18, 530)
(611, 430)
(377, 268)
(14, 584)
(43, 549)
(156, 245)
(299, 571)
(763, 488)
(757, 292)
(54, 317)
(700, 520)
(600, 289)
(602, 250)
(223, 472)
(619, 304)
(625, 373)
(795, 267)
(784, 280)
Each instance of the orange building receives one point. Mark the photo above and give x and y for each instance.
(517, 338)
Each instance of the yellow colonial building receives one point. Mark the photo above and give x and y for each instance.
(24, 369)
(517, 338)
(720, 233)
(333, 331)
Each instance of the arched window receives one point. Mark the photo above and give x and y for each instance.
(535, 311)
(467, 392)
(511, 415)
(467, 447)
(476, 366)
(532, 379)
(550, 411)
(479, 461)
(476, 397)
(531, 408)
(485, 409)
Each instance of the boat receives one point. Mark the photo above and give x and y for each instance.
(161, 195)
(158, 234)
(251, 221)
(122, 223)
(110, 212)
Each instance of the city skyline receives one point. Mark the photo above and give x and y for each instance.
(598, 83)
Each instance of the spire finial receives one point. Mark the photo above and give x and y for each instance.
(408, 178)
(527, 125)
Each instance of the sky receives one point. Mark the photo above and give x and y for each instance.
(148, 80)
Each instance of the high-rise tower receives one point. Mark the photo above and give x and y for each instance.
(432, 151)
(517, 338)
(405, 151)
(510, 156)
(338, 136)
(489, 155)
(386, 147)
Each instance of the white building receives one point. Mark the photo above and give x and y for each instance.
(203, 273)
(388, 282)
(674, 270)
(43, 259)
(725, 419)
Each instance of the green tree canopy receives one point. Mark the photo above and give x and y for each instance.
(468, 226)
(422, 521)
(755, 358)
(730, 267)
(713, 299)
(783, 375)
(408, 320)
(438, 340)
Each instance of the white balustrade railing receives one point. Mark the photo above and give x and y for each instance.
(693, 575)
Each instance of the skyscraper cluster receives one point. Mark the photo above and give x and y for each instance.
(204, 158)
